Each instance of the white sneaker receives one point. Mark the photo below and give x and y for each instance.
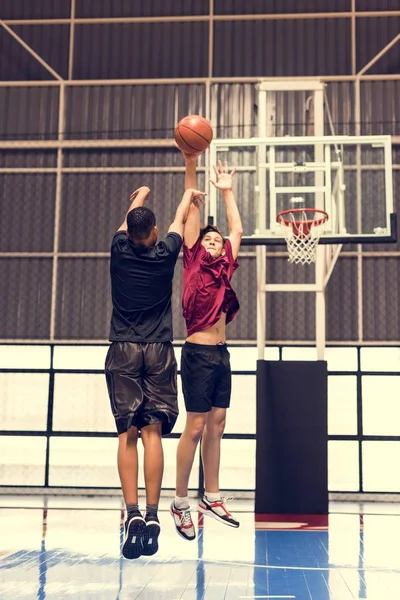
(183, 522)
(217, 510)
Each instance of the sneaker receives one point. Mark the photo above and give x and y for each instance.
(133, 543)
(150, 536)
(183, 522)
(217, 510)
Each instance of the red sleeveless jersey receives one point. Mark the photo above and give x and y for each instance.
(207, 291)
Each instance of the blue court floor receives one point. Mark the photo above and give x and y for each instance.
(62, 547)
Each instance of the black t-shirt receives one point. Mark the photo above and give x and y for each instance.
(141, 288)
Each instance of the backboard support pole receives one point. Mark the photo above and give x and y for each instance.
(267, 118)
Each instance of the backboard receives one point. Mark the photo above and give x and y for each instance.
(349, 177)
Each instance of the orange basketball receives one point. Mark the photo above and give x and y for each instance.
(193, 134)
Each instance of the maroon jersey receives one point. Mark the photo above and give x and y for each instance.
(207, 291)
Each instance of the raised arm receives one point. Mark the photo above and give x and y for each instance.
(189, 197)
(224, 183)
(192, 226)
(138, 198)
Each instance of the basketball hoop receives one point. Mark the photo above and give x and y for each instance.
(302, 229)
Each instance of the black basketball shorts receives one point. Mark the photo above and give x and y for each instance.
(206, 377)
(142, 384)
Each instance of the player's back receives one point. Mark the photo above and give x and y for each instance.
(141, 288)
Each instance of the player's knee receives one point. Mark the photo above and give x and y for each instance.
(195, 428)
(220, 426)
(217, 428)
(196, 432)
(151, 433)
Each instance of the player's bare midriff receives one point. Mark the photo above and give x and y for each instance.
(212, 336)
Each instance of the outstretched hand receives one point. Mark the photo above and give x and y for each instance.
(197, 197)
(144, 189)
(188, 157)
(224, 178)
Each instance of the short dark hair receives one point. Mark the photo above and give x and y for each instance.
(208, 228)
(141, 221)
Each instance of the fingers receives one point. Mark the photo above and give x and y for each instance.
(198, 200)
(233, 172)
(188, 157)
(222, 168)
(144, 189)
(194, 192)
(198, 197)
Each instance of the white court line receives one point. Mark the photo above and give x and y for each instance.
(281, 567)
(267, 596)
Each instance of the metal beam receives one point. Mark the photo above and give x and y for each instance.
(211, 39)
(169, 143)
(291, 85)
(291, 287)
(191, 80)
(353, 38)
(243, 254)
(31, 51)
(205, 17)
(302, 140)
(38, 170)
(378, 56)
(57, 212)
(155, 169)
(71, 41)
(177, 342)
(180, 342)
(78, 144)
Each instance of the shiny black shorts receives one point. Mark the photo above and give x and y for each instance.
(142, 385)
(206, 377)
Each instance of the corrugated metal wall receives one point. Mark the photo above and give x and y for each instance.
(25, 297)
(137, 50)
(282, 48)
(140, 8)
(27, 212)
(50, 42)
(93, 205)
(241, 7)
(145, 111)
(25, 9)
(261, 47)
(372, 36)
(28, 112)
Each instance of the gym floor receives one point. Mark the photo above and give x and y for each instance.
(69, 547)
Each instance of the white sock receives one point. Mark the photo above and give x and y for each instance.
(213, 496)
(181, 502)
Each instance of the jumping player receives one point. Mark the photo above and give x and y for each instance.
(140, 366)
(209, 304)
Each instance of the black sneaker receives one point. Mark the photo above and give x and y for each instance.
(133, 543)
(150, 535)
(217, 510)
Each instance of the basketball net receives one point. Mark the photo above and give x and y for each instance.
(302, 233)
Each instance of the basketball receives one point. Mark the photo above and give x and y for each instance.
(193, 134)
